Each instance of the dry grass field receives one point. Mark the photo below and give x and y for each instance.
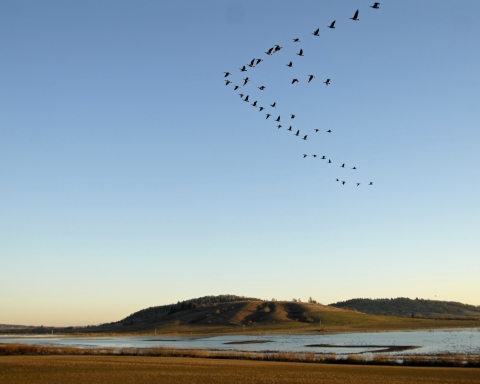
(125, 369)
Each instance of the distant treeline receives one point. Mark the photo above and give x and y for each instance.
(403, 306)
(158, 312)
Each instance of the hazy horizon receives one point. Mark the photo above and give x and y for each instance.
(131, 176)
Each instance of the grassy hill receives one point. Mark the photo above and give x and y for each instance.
(405, 307)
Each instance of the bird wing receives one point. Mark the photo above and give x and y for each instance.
(356, 15)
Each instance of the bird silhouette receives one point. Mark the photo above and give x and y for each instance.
(252, 63)
(227, 74)
(338, 180)
(227, 82)
(310, 78)
(294, 81)
(305, 137)
(324, 158)
(316, 130)
(245, 81)
(261, 109)
(314, 155)
(371, 183)
(343, 165)
(300, 53)
(355, 17)
(332, 26)
(268, 115)
(289, 128)
(289, 64)
(327, 82)
(241, 95)
(304, 155)
(258, 61)
(292, 116)
(278, 119)
(236, 87)
(329, 161)
(243, 69)
(254, 103)
(261, 88)
(269, 52)
(246, 98)
(329, 131)
(354, 168)
(297, 40)
(358, 184)
(298, 132)
(274, 105)
(279, 126)
(316, 32)
(375, 6)
(343, 182)
(277, 48)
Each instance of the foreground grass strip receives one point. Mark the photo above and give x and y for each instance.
(127, 369)
(458, 360)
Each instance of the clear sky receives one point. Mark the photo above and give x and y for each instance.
(131, 176)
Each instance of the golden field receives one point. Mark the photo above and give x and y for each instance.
(126, 369)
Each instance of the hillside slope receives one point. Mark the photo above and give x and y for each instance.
(405, 307)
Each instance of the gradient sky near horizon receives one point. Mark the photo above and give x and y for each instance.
(131, 176)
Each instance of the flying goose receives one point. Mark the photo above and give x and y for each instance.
(292, 116)
(316, 33)
(227, 82)
(355, 17)
(327, 82)
(375, 6)
(243, 69)
(278, 119)
(310, 78)
(227, 74)
(332, 26)
(274, 105)
(297, 40)
(236, 87)
(305, 137)
(245, 81)
(261, 88)
(300, 53)
(294, 81)
(298, 132)
(268, 115)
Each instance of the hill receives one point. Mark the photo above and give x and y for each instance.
(406, 307)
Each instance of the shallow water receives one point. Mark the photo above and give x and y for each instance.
(465, 341)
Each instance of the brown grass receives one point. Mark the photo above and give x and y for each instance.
(128, 369)
(458, 360)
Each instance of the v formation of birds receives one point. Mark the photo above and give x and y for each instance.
(271, 51)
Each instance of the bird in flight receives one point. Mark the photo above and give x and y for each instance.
(304, 155)
(261, 88)
(243, 69)
(297, 40)
(252, 63)
(289, 128)
(241, 95)
(277, 48)
(316, 32)
(289, 64)
(310, 78)
(278, 119)
(371, 183)
(254, 103)
(327, 82)
(305, 137)
(279, 126)
(358, 184)
(324, 158)
(332, 26)
(298, 132)
(329, 161)
(355, 17)
(300, 53)
(343, 165)
(316, 130)
(227, 82)
(294, 81)
(343, 182)
(269, 52)
(314, 155)
(354, 168)
(268, 115)
(246, 98)
(258, 61)
(338, 180)
(375, 6)
(292, 116)
(236, 87)
(261, 109)
(227, 74)
(274, 105)
(329, 131)
(245, 81)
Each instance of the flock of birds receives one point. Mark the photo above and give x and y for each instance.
(271, 51)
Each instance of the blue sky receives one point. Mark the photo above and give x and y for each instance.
(131, 176)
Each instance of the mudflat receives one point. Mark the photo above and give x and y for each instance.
(123, 369)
